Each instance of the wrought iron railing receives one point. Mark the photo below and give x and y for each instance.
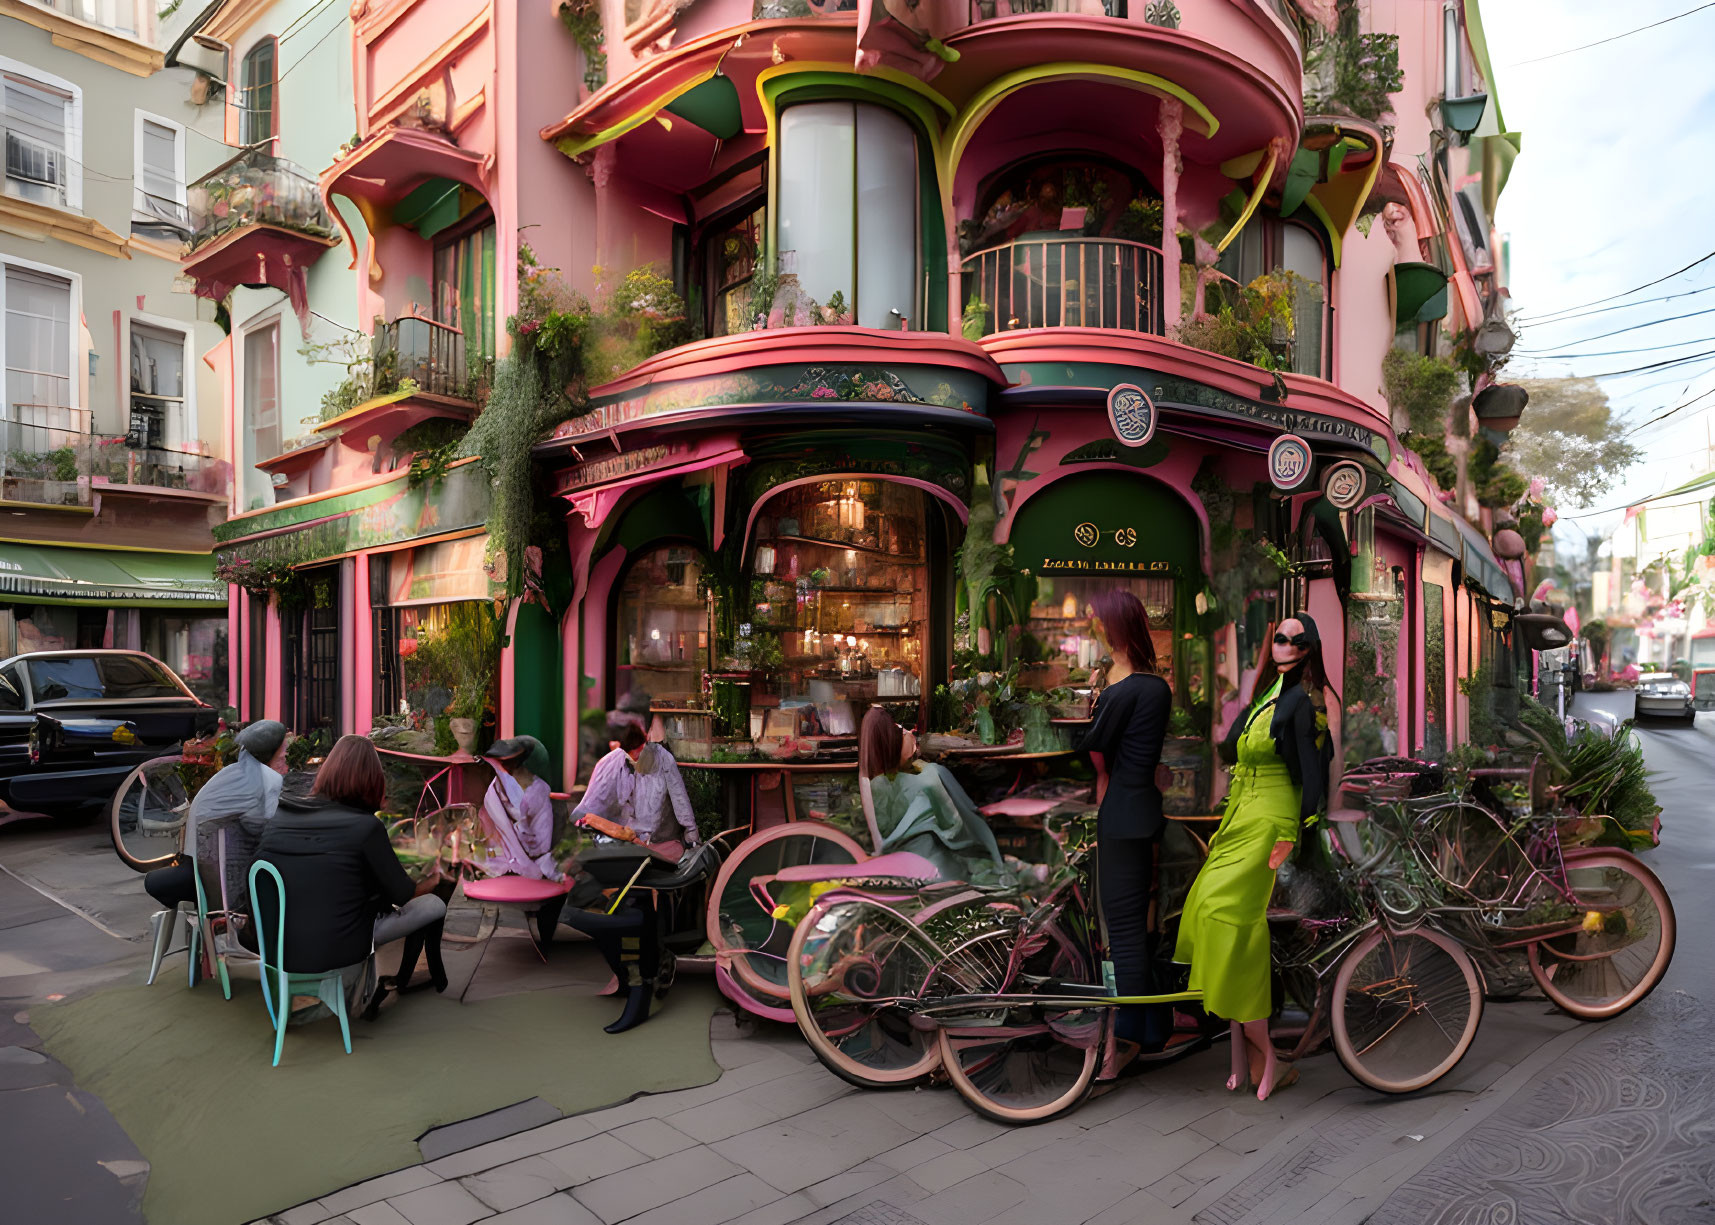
(1066, 282)
(429, 353)
(256, 188)
(988, 10)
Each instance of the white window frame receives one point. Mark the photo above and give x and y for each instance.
(241, 429)
(188, 425)
(77, 373)
(74, 126)
(139, 210)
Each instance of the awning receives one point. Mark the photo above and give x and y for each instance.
(1481, 565)
(440, 573)
(1443, 533)
(43, 574)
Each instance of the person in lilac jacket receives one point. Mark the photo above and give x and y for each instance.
(518, 811)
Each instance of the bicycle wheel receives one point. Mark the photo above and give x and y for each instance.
(1405, 1009)
(748, 939)
(1623, 944)
(146, 817)
(849, 958)
(1025, 1065)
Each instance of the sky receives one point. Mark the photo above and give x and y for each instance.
(1613, 188)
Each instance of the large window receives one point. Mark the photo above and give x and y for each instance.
(1268, 244)
(261, 427)
(848, 199)
(157, 387)
(464, 289)
(192, 645)
(158, 185)
(256, 119)
(41, 118)
(40, 404)
(730, 252)
(663, 626)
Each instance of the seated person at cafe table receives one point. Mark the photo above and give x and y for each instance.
(346, 892)
(518, 811)
(636, 786)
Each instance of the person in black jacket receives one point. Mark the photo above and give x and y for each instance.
(1127, 734)
(346, 892)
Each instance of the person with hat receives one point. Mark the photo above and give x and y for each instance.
(1280, 752)
(241, 798)
(518, 811)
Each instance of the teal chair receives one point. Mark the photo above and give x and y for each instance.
(221, 944)
(328, 986)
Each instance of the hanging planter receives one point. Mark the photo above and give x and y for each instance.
(1463, 115)
(1417, 286)
(1499, 405)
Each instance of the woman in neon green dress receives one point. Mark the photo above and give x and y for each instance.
(1279, 751)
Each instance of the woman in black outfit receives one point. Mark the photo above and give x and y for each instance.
(1130, 726)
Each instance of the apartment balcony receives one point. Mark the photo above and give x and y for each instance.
(1063, 282)
(256, 220)
(118, 467)
(419, 370)
(41, 460)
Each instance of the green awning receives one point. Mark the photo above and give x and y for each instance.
(1108, 523)
(44, 574)
(1480, 564)
(430, 208)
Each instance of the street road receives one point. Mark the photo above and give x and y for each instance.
(1546, 1122)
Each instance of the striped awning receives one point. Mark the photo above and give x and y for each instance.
(46, 574)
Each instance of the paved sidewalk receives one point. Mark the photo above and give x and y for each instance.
(779, 1140)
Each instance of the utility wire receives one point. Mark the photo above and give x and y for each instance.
(1554, 356)
(1639, 326)
(1565, 317)
(1672, 361)
(1670, 412)
(1635, 289)
(1613, 38)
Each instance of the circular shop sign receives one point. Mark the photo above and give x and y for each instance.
(1344, 485)
(1289, 463)
(1132, 414)
(1087, 535)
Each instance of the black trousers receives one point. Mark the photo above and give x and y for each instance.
(1125, 869)
(627, 939)
(173, 886)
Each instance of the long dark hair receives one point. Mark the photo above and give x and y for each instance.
(1127, 626)
(880, 742)
(1314, 675)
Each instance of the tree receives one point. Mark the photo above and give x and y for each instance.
(1569, 437)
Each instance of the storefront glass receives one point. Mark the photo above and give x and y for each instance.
(1059, 647)
(663, 627)
(840, 606)
(193, 645)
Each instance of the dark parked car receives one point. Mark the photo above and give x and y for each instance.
(73, 724)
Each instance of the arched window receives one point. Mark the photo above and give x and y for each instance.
(256, 94)
(848, 198)
(1268, 244)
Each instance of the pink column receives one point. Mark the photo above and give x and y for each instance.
(1170, 125)
(504, 701)
(238, 650)
(363, 649)
(272, 699)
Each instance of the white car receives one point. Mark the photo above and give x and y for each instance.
(1663, 693)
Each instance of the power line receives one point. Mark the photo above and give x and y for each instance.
(1639, 327)
(1672, 361)
(1551, 355)
(1566, 317)
(1664, 416)
(1612, 38)
(1635, 289)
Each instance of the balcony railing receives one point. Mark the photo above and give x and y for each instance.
(40, 458)
(988, 10)
(429, 353)
(773, 10)
(1066, 282)
(255, 188)
(111, 458)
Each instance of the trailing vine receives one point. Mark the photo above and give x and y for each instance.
(1349, 72)
(582, 19)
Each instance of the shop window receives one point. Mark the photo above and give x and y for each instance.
(848, 198)
(728, 255)
(384, 633)
(437, 642)
(1435, 670)
(60, 627)
(663, 627)
(157, 387)
(840, 608)
(193, 647)
(256, 118)
(1058, 649)
(464, 289)
(1268, 244)
(261, 429)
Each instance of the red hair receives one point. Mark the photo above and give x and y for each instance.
(880, 742)
(1127, 626)
(352, 775)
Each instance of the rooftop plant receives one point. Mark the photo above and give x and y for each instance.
(1349, 72)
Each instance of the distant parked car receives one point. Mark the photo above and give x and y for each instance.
(73, 724)
(1663, 693)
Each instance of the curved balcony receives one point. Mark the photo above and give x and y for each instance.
(256, 220)
(1053, 282)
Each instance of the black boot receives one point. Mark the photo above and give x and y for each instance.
(636, 1008)
(432, 949)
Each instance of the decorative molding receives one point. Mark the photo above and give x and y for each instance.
(103, 46)
(28, 219)
(234, 17)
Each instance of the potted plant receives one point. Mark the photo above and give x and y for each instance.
(466, 710)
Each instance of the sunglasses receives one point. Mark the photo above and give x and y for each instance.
(1297, 640)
